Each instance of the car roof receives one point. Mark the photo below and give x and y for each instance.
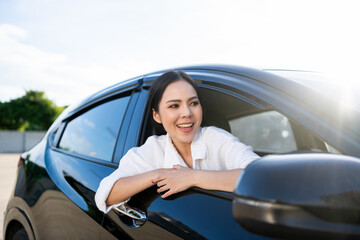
(262, 76)
(288, 85)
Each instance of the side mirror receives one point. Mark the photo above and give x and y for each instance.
(300, 195)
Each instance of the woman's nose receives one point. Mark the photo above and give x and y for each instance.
(186, 111)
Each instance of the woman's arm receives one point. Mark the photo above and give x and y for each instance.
(127, 187)
(217, 180)
(183, 178)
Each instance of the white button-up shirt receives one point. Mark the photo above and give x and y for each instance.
(211, 149)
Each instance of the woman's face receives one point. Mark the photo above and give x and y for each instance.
(179, 112)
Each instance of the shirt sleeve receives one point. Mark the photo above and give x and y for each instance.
(136, 161)
(233, 153)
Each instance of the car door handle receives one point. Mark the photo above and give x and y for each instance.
(134, 213)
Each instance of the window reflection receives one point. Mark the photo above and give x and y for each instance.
(266, 132)
(94, 132)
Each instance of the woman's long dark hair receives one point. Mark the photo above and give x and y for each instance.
(157, 90)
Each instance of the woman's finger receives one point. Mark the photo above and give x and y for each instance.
(163, 175)
(159, 178)
(168, 193)
(163, 188)
(161, 183)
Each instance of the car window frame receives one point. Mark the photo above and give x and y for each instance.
(128, 113)
(248, 98)
(249, 93)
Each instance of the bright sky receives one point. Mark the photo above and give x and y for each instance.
(70, 49)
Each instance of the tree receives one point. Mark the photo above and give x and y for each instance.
(33, 111)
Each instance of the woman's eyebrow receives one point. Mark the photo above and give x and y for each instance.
(192, 98)
(178, 100)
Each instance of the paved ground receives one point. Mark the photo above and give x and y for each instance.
(8, 163)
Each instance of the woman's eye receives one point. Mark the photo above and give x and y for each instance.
(194, 103)
(174, 106)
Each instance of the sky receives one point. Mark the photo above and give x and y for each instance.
(72, 48)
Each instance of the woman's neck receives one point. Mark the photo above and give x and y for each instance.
(184, 151)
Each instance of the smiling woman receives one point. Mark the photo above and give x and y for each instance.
(187, 156)
(180, 113)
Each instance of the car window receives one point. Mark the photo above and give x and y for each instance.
(94, 133)
(268, 132)
(256, 124)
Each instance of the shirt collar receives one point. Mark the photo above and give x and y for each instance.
(198, 147)
(172, 157)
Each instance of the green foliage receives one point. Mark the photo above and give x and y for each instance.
(33, 111)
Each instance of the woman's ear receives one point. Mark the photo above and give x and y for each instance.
(156, 116)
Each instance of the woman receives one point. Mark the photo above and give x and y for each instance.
(187, 156)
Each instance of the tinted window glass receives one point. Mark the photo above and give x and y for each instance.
(266, 132)
(94, 133)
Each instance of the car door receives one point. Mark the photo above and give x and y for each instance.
(80, 155)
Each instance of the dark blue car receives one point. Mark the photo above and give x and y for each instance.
(306, 185)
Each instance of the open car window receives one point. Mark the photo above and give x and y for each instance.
(267, 130)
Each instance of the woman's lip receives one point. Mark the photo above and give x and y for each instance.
(185, 129)
(185, 125)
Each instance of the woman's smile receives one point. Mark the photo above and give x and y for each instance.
(185, 127)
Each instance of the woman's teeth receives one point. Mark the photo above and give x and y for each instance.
(185, 125)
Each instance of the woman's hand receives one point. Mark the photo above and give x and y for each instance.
(176, 180)
(181, 178)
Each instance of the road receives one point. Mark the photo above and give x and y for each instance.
(8, 163)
